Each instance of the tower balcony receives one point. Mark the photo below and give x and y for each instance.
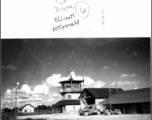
(69, 90)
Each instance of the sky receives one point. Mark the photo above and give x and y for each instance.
(39, 64)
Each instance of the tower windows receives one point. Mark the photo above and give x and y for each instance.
(68, 96)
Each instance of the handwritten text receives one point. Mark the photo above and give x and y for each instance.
(61, 18)
(65, 8)
(76, 22)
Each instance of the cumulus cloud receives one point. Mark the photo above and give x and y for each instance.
(9, 67)
(135, 87)
(55, 94)
(132, 75)
(8, 91)
(38, 89)
(11, 94)
(56, 78)
(41, 89)
(41, 92)
(106, 67)
(124, 83)
(88, 81)
(35, 98)
(98, 84)
(50, 99)
(126, 75)
(26, 89)
(75, 77)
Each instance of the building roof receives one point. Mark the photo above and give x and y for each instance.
(67, 102)
(69, 81)
(129, 96)
(21, 107)
(99, 92)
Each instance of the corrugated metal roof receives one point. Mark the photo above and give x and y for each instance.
(67, 102)
(129, 96)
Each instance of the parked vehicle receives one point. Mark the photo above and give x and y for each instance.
(92, 109)
(113, 112)
(98, 109)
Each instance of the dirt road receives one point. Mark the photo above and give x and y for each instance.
(90, 117)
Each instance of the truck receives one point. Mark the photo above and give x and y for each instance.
(97, 109)
(92, 109)
(112, 111)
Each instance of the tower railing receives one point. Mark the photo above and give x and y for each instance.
(71, 90)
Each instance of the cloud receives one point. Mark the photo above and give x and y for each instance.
(55, 94)
(26, 89)
(11, 94)
(132, 75)
(36, 96)
(53, 81)
(50, 99)
(56, 78)
(41, 89)
(126, 75)
(8, 91)
(120, 83)
(41, 93)
(88, 81)
(38, 89)
(98, 84)
(26, 95)
(135, 87)
(106, 67)
(9, 67)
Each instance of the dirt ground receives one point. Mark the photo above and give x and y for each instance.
(90, 117)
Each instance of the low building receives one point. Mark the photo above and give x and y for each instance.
(130, 101)
(96, 95)
(28, 108)
(66, 106)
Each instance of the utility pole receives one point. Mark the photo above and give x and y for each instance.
(71, 80)
(16, 100)
(110, 98)
(116, 86)
(16, 103)
(83, 68)
(83, 73)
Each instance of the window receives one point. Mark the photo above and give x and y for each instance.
(69, 96)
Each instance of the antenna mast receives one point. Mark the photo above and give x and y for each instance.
(110, 97)
(83, 73)
(116, 86)
(83, 68)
